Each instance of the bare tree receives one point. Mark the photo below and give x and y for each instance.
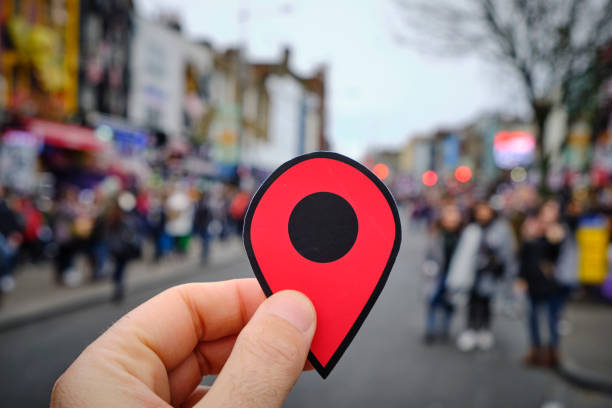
(550, 45)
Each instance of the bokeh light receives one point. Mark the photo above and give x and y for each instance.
(104, 133)
(518, 174)
(463, 174)
(381, 170)
(430, 178)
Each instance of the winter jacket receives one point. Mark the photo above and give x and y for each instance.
(537, 260)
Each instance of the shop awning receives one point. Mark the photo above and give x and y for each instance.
(66, 136)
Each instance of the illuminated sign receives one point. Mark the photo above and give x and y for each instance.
(513, 148)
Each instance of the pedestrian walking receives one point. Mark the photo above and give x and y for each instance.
(443, 241)
(125, 243)
(487, 253)
(11, 237)
(201, 223)
(179, 219)
(539, 254)
(64, 218)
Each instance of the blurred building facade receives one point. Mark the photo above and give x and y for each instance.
(140, 90)
(444, 150)
(289, 106)
(492, 145)
(157, 67)
(105, 33)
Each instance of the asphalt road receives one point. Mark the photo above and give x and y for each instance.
(386, 365)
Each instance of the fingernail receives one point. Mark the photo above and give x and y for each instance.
(294, 307)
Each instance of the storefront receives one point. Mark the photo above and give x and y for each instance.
(73, 154)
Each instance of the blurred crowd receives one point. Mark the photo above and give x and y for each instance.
(498, 248)
(109, 226)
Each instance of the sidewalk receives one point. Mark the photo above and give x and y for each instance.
(586, 350)
(37, 296)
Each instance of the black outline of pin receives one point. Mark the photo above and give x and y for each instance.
(324, 370)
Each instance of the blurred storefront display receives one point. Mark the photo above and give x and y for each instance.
(73, 154)
(127, 139)
(65, 136)
(39, 56)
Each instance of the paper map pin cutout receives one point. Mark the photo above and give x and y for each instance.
(326, 226)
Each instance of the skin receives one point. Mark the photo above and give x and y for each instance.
(549, 213)
(451, 218)
(483, 213)
(157, 354)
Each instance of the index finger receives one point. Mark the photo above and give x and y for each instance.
(172, 323)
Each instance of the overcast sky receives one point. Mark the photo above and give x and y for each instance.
(381, 92)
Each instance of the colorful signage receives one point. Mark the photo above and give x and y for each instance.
(513, 148)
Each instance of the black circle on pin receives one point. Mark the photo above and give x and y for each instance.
(323, 227)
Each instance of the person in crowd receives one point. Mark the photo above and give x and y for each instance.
(488, 253)
(11, 236)
(566, 268)
(237, 209)
(226, 220)
(63, 226)
(201, 224)
(143, 204)
(219, 210)
(542, 238)
(144, 208)
(179, 219)
(422, 213)
(33, 222)
(125, 243)
(97, 245)
(157, 222)
(443, 242)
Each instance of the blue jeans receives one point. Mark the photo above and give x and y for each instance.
(205, 238)
(553, 306)
(439, 301)
(99, 254)
(8, 256)
(118, 274)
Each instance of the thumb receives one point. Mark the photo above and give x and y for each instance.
(268, 356)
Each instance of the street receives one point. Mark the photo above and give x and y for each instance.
(386, 365)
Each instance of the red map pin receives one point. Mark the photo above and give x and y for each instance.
(326, 226)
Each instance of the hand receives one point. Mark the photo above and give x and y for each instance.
(157, 354)
(555, 234)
